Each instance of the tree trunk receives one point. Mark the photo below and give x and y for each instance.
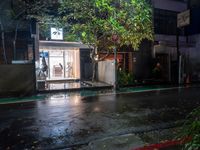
(3, 42)
(94, 63)
(14, 41)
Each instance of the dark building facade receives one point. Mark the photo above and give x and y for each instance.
(169, 40)
(17, 40)
(16, 51)
(193, 37)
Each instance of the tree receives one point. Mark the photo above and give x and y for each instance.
(16, 14)
(190, 131)
(95, 22)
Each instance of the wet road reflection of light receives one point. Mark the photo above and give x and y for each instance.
(66, 119)
(97, 109)
(76, 100)
(61, 99)
(57, 120)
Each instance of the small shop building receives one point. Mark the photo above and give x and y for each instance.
(63, 60)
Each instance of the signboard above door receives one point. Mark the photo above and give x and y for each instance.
(56, 33)
(183, 19)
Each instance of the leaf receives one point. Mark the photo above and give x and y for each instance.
(83, 34)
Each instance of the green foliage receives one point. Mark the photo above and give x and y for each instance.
(125, 78)
(191, 128)
(45, 30)
(70, 37)
(95, 21)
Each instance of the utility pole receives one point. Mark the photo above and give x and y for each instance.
(178, 56)
(183, 19)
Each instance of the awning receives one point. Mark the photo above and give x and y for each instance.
(62, 44)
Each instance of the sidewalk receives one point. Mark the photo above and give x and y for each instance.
(155, 140)
(86, 88)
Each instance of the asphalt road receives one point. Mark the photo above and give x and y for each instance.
(61, 121)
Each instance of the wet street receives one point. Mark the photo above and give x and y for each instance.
(61, 121)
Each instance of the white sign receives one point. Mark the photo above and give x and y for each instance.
(183, 19)
(56, 33)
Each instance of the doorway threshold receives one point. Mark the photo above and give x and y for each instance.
(58, 86)
(63, 80)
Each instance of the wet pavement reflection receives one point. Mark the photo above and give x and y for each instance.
(63, 85)
(61, 121)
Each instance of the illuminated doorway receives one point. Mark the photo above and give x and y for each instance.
(63, 63)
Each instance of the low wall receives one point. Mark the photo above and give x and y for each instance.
(106, 72)
(17, 80)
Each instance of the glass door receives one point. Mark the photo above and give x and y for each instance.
(56, 64)
(72, 64)
(63, 63)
